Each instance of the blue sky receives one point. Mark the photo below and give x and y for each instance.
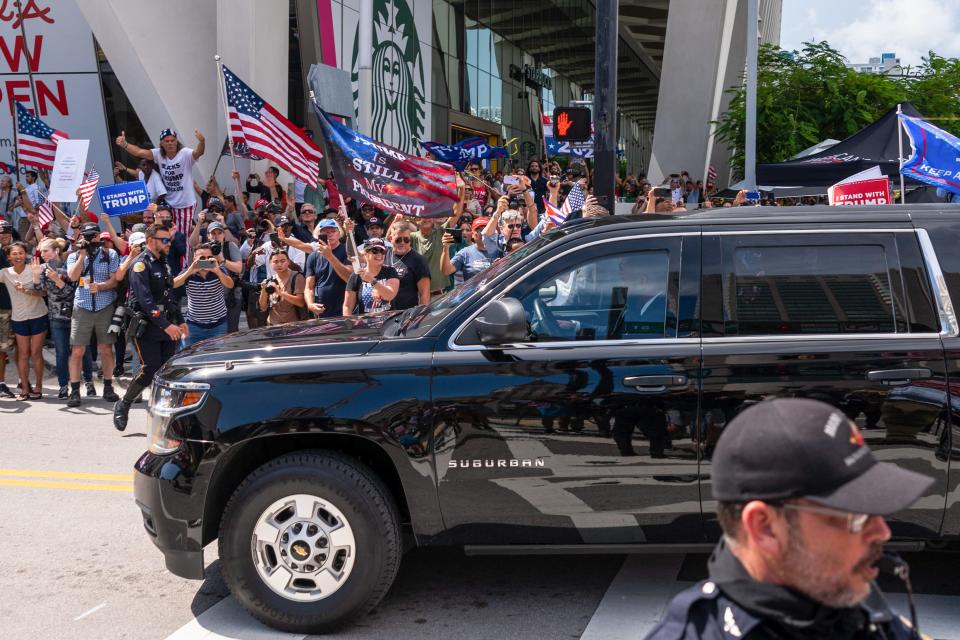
(860, 29)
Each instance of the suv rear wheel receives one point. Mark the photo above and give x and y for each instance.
(310, 541)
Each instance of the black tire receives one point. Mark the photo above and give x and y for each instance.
(363, 500)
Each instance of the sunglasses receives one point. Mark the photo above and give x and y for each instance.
(305, 211)
(376, 252)
(402, 241)
(855, 521)
(163, 240)
(513, 226)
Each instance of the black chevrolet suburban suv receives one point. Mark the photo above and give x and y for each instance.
(568, 398)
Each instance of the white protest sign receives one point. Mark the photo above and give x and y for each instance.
(67, 171)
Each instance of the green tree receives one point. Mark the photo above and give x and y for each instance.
(804, 97)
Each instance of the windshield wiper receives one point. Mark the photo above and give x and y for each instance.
(395, 324)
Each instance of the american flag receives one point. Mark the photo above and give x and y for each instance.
(44, 212)
(88, 186)
(36, 141)
(265, 132)
(574, 201)
(711, 175)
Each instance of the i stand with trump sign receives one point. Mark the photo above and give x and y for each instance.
(123, 198)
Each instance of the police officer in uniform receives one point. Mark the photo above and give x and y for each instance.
(801, 501)
(157, 325)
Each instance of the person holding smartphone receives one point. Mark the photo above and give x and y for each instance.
(206, 281)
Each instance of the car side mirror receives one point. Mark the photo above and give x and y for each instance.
(503, 321)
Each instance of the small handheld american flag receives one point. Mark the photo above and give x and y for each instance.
(88, 186)
(574, 201)
(44, 212)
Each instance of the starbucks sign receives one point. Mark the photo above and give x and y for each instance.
(399, 96)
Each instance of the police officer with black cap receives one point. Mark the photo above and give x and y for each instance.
(801, 501)
(157, 326)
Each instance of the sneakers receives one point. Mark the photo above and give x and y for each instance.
(64, 392)
(108, 393)
(74, 400)
(91, 390)
(118, 372)
(120, 414)
(5, 391)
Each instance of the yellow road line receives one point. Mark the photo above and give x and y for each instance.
(65, 475)
(79, 486)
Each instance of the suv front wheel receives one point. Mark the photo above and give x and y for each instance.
(310, 541)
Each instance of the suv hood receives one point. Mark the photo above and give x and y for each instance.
(310, 338)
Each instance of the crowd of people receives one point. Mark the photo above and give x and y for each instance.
(265, 253)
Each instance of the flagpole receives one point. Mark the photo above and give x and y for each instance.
(16, 148)
(903, 191)
(226, 110)
(26, 50)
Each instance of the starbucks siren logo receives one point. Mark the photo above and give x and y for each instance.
(398, 94)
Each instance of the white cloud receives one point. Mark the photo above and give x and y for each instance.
(909, 28)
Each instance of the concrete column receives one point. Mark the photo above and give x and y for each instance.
(153, 48)
(162, 53)
(252, 37)
(697, 35)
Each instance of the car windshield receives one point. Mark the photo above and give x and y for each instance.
(417, 321)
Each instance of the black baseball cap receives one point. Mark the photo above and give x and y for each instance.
(6, 226)
(374, 222)
(799, 448)
(283, 221)
(215, 204)
(89, 229)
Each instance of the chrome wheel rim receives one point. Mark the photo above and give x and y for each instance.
(303, 548)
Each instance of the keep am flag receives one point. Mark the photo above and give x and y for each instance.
(390, 179)
(935, 157)
(461, 153)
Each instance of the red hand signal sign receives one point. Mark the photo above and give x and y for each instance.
(572, 124)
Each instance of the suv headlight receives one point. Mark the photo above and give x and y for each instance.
(168, 400)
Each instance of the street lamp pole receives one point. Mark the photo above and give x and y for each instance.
(753, 50)
(605, 105)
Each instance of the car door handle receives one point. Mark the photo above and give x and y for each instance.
(655, 384)
(898, 376)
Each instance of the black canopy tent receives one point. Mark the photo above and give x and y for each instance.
(875, 144)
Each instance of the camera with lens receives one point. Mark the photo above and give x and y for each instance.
(117, 319)
(515, 202)
(216, 248)
(270, 284)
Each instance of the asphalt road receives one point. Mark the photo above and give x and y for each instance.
(76, 563)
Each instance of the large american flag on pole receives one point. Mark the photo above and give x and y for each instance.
(88, 187)
(255, 123)
(36, 140)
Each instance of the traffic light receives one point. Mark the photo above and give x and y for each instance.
(571, 124)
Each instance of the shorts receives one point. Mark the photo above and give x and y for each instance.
(6, 335)
(84, 323)
(31, 327)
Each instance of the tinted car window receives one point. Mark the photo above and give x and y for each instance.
(612, 297)
(812, 289)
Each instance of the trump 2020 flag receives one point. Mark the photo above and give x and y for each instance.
(390, 179)
(461, 153)
(936, 154)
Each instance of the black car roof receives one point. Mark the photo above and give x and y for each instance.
(769, 215)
